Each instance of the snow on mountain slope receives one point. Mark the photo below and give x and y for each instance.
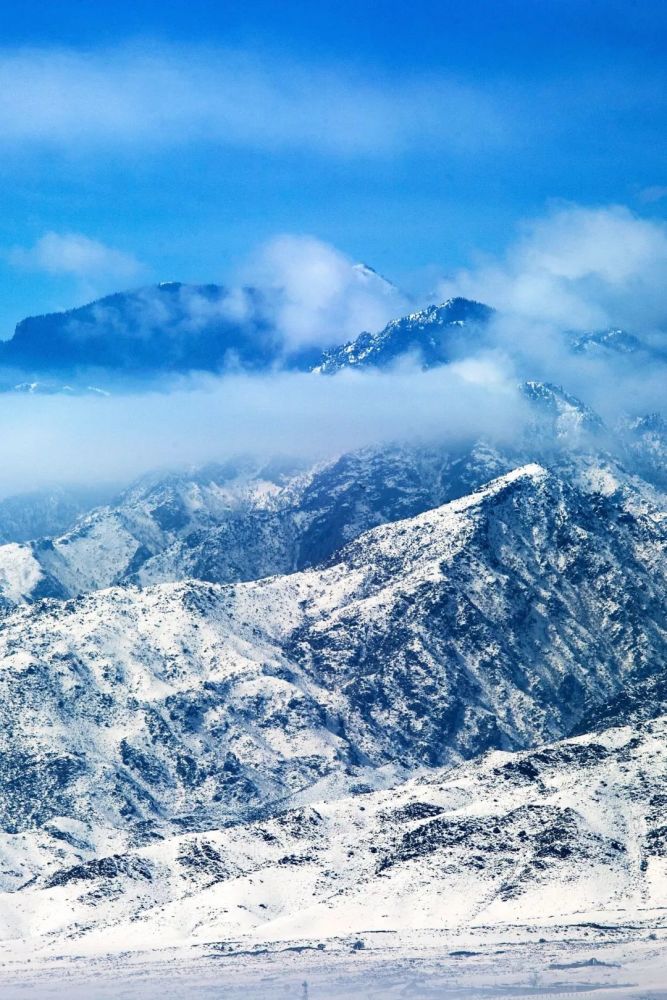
(645, 442)
(494, 620)
(432, 335)
(497, 620)
(568, 833)
(20, 573)
(243, 521)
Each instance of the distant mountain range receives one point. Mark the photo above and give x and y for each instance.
(173, 328)
(431, 336)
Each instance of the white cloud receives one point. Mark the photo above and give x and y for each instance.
(148, 95)
(317, 295)
(51, 439)
(78, 256)
(578, 268)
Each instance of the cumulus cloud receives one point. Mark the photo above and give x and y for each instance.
(81, 439)
(318, 295)
(159, 94)
(78, 256)
(578, 268)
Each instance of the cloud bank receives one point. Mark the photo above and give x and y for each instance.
(48, 440)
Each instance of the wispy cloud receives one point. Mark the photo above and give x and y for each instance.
(652, 194)
(165, 95)
(89, 266)
(77, 256)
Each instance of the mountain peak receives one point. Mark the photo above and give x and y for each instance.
(433, 334)
(169, 327)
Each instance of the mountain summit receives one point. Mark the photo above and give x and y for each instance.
(433, 336)
(160, 329)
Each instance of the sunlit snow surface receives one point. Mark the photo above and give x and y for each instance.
(610, 962)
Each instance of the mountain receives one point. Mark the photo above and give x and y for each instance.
(45, 513)
(644, 440)
(166, 328)
(244, 519)
(612, 341)
(495, 621)
(606, 344)
(175, 328)
(413, 685)
(241, 520)
(570, 834)
(567, 414)
(433, 336)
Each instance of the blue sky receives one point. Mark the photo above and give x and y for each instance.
(148, 141)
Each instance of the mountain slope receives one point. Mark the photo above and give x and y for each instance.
(243, 520)
(496, 620)
(433, 336)
(166, 328)
(169, 328)
(570, 833)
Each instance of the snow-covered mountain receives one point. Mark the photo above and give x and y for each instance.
(497, 620)
(431, 336)
(409, 685)
(241, 520)
(244, 520)
(572, 833)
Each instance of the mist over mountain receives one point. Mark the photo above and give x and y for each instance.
(307, 295)
(333, 500)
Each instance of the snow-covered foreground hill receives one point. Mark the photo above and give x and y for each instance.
(571, 835)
